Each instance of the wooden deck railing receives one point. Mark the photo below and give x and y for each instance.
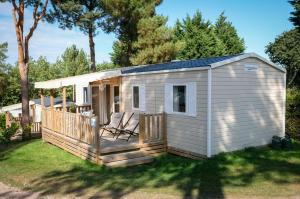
(79, 108)
(73, 125)
(152, 128)
(36, 127)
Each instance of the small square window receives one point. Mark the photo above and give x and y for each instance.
(179, 98)
(136, 98)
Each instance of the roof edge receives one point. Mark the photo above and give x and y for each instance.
(244, 56)
(167, 71)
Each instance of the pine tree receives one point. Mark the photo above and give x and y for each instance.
(122, 18)
(227, 33)
(37, 8)
(73, 62)
(86, 15)
(154, 44)
(295, 18)
(199, 38)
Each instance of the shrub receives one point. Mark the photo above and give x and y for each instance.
(6, 134)
(2, 121)
(73, 108)
(281, 142)
(293, 112)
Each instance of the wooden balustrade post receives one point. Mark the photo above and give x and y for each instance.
(42, 98)
(7, 119)
(141, 128)
(33, 113)
(97, 139)
(164, 129)
(64, 109)
(52, 93)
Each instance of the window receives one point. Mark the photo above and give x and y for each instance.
(136, 97)
(179, 98)
(116, 99)
(85, 95)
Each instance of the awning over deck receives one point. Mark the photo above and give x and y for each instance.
(79, 79)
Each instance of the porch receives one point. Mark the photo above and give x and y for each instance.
(78, 132)
(80, 135)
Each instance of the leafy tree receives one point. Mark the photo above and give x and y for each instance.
(3, 75)
(73, 62)
(38, 9)
(295, 18)
(40, 70)
(86, 15)
(285, 50)
(122, 18)
(12, 93)
(106, 66)
(154, 44)
(199, 37)
(227, 33)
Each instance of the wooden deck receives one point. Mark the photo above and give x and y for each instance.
(80, 135)
(109, 144)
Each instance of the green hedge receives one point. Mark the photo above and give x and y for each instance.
(293, 113)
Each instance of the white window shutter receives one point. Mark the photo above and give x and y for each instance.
(168, 98)
(142, 97)
(192, 98)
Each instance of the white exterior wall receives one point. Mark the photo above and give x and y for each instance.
(247, 106)
(184, 132)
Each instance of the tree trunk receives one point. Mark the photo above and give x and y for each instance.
(23, 69)
(92, 50)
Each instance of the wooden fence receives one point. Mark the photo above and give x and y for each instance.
(73, 125)
(152, 127)
(36, 127)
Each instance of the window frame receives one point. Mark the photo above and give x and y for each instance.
(85, 95)
(186, 99)
(119, 103)
(132, 101)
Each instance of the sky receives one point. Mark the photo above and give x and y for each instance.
(257, 21)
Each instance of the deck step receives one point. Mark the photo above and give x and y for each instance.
(122, 156)
(130, 162)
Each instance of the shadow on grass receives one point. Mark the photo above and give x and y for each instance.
(191, 178)
(7, 149)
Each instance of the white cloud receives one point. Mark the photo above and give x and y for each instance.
(49, 40)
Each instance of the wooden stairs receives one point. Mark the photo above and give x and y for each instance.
(132, 156)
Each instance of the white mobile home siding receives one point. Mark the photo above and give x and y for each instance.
(247, 106)
(184, 132)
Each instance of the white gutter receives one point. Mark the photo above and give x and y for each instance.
(208, 136)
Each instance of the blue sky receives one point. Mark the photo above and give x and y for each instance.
(257, 21)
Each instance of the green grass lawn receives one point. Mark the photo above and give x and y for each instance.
(39, 166)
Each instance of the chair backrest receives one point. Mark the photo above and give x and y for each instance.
(132, 125)
(116, 119)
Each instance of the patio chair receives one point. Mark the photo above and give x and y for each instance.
(130, 128)
(115, 123)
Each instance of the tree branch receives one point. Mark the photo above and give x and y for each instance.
(36, 6)
(293, 77)
(34, 25)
